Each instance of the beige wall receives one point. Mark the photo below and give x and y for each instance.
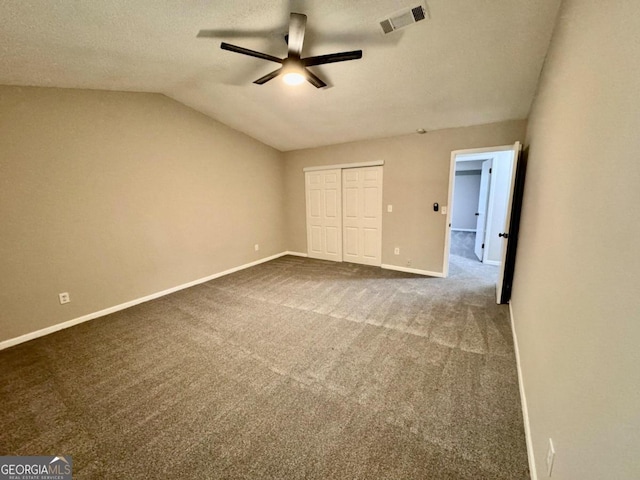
(576, 300)
(416, 175)
(113, 196)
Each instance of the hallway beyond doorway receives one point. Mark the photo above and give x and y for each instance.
(462, 244)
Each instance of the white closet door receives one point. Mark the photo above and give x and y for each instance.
(362, 215)
(324, 214)
(481, 213)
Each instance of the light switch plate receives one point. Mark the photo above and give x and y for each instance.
(389, 208)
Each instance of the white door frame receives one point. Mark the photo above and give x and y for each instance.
(470, 154)
(374, 163)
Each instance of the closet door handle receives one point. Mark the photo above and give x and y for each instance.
(504, 235)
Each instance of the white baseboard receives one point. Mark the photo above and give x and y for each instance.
(523, 401)
(464, 230)
(101, 313)
(412, 270)
(296, 254)
(491, 262)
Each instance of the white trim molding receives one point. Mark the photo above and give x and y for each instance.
(374, 163)
(412, 270)
(296, 254)
(523, 400)
(471, 154)
(463, 230)
(101, 313)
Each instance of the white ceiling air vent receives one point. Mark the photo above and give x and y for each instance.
(404, 18)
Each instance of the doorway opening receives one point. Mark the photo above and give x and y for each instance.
(469, 208)
(480, 196)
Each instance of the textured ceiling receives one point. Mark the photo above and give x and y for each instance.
(472, 62)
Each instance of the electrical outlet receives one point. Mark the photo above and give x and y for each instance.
(389, 208)
(396, 251)
(64, 298)
(256, 247)
(551, 455)
(443, 210)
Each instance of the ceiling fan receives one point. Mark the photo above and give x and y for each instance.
(294, 68)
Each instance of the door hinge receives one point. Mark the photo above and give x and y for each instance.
(490, 170)
(483, 245)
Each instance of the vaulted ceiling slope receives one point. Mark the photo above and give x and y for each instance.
(471, 62)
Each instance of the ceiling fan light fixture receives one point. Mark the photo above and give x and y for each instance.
(294, 67)
(293, 78)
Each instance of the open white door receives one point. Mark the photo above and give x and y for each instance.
(324, 214)
(481, 212)
(362, 215)
(504, 235)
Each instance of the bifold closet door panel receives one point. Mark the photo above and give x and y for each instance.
(324, 214)
(362, 215)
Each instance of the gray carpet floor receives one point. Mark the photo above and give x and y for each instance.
(292, 369)
(463, 244)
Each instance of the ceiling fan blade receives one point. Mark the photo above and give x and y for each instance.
(297, 26)
(332, 58)
(314, 80)
(251, 53)
(236, 33)
(268, 76)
